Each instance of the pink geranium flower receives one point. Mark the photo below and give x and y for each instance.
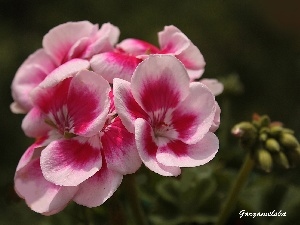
(170, 116)
(130, 52)
(72, 40)
(85, 151)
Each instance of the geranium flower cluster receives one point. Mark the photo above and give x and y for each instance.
(98, 110)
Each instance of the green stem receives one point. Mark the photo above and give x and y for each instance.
(236, 188)
(132, 195)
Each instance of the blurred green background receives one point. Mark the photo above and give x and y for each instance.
(256, 42)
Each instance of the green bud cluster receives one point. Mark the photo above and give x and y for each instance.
(269, 143)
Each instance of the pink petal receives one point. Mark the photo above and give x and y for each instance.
(213, 85)
(159, 82)
(64, 71)
(59, 40)
(194, 116)
(193, 60)
(51, 99)
(110, 32)
(17, 108)
(137, 47)
(32, 72)
(98, 188)
(216, 122)
(126, 106)
(34, 124)
(78, 49)
(147, 149)
(88, 103)
(119, 148)
(103, 41)
(112, 108)
(32, 152)
(70, 162)
(41, 195)
(177, 153)
(114, 65)
(175, 44)
(172, 40)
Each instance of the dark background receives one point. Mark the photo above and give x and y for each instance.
(258, 41)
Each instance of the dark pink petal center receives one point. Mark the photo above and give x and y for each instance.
(160, 94)
(184, 123)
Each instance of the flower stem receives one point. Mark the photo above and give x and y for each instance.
(132, 195)
(235, 189)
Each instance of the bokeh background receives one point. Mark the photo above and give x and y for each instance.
(251, 45)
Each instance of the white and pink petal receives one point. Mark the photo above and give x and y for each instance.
(217, 120)
(160, 82)
(177, 153)
(34, 124)
(194, 116)
(213, 85)
(126, 106)
(147, 149)
(69, 162)
(97, 189)
(41, 195)
(193, 60)
(119, 148)
(168, 37)
(87, 103)
(112, 65)
(60, 39)
(104, 40)
(30, 74)
(32, 152)
(137, 47)
(68, 69)
(52, 99)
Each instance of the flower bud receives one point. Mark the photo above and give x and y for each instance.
(246, 132)
(265, 121)
(288, 140)
(272, 145)
(275, 130)
(244, 129)
(261, 121)
(264, 159)
(281, 159)
(287, 130)
(263, 137)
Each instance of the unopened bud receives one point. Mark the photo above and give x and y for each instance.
(265, 121)
(244, 129)
(263, 137)
(261, 121)
(289, 141)
(272, 145)
(264, 159)
(246, 132)
(276, 130)
(281, 159)
(287, 130)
